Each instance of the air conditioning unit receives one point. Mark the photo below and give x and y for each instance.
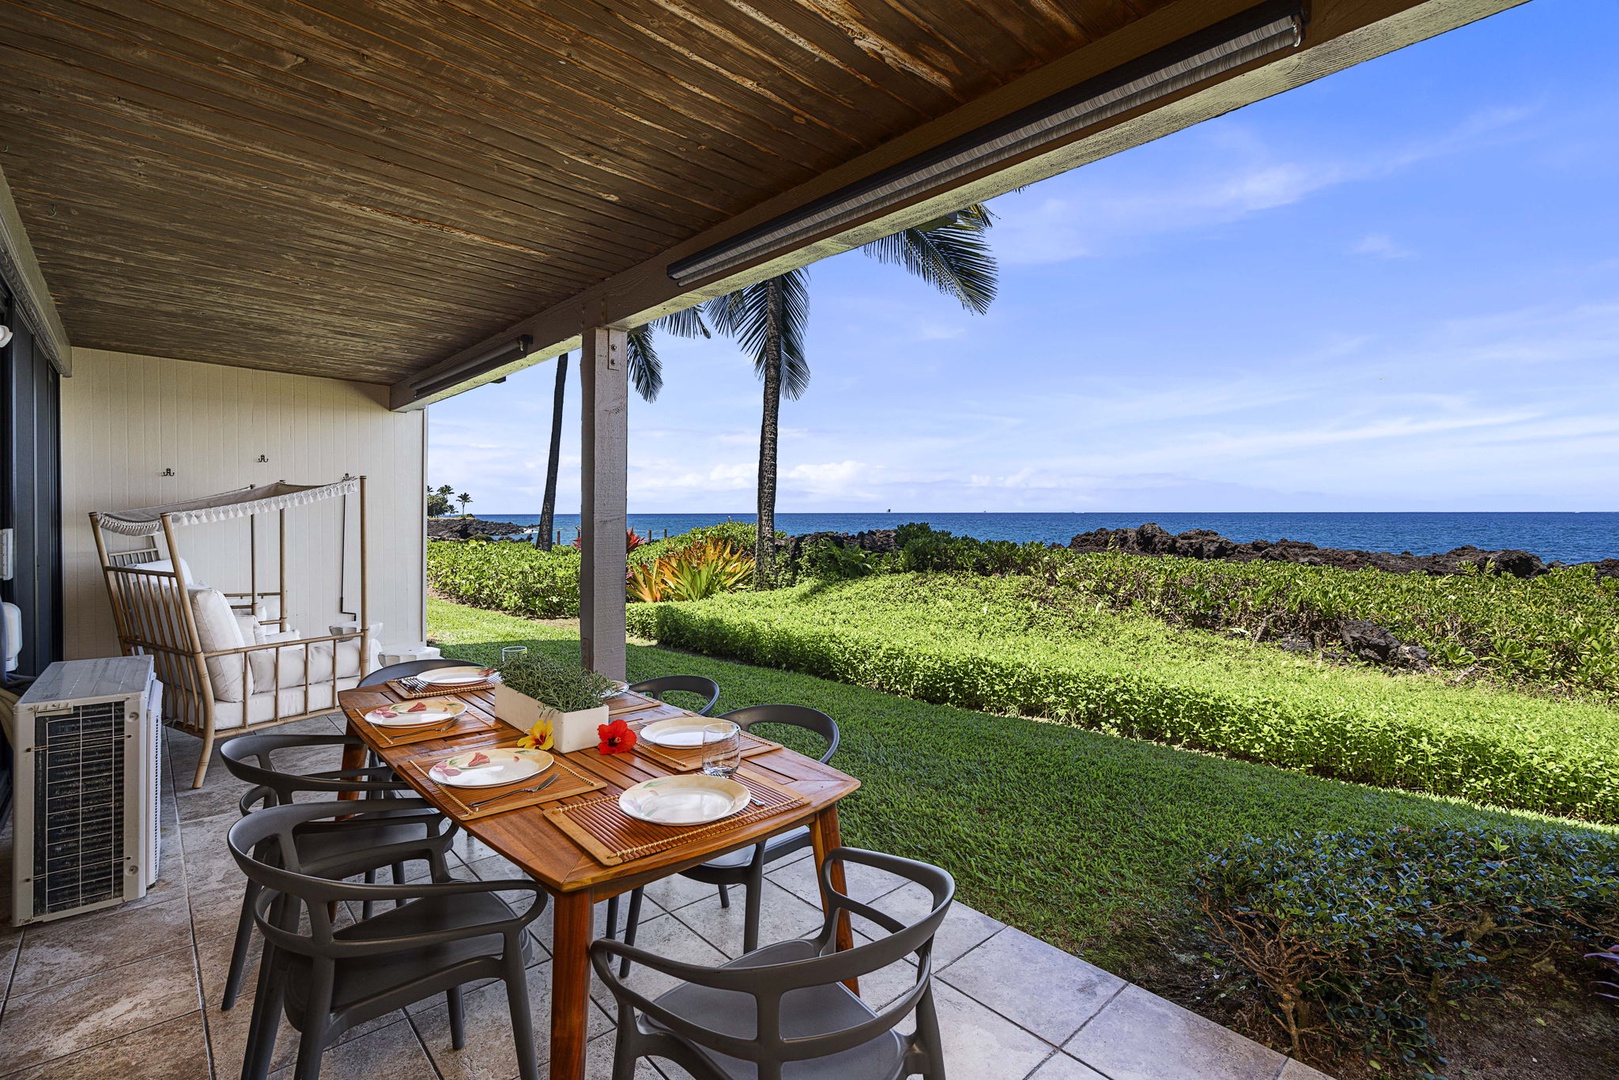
(86, 825)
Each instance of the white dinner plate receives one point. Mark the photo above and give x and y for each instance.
(679, 733)
(416, 713)
(458, 676)
(489, 768)
(684, 800)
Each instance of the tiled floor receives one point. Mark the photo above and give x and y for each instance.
(134, 991)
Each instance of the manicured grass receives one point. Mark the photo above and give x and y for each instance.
(999, 644)
(1086, 840)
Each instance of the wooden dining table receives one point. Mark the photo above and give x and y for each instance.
(535, 842)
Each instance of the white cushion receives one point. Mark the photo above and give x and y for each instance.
(317, 656)
(267, 706)
(217, 628)
(167, 567)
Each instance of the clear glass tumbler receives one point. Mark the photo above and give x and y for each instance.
(722, 748)
(511, 653)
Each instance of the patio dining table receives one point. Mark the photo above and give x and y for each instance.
(555, 853)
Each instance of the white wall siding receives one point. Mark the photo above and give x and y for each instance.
(125, 419)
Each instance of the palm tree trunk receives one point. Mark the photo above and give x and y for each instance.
(764, 547)
(548, 506)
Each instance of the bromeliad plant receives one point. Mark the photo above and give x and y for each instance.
(712, 565)
(565, 687)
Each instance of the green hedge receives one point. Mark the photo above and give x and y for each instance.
(991, 644)
(507, 576)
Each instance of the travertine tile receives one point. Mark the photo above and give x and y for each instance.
(489, 1050)
(1062, 1067)
(173, 1050)
(83, 945)
(782, 915)
(668, 937)
(1036, 985)
(1295, 1070)
(962, 929)
(979, 1042)
(389, 1051)
(864, 883)
(1139, 1036)
(66, 1017)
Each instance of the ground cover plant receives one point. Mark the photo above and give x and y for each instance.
(1000, 645)
(1085, 840)
(1558, 632)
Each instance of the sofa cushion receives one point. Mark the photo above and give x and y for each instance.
(217, 628)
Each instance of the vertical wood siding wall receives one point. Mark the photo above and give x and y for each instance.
(125, 419)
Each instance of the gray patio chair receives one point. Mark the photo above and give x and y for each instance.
(253, 759)
(442, 935)
(406, 669)
(690, 684)
(745, 866)
(784, 1008)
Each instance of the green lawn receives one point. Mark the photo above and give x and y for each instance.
(1084, 839)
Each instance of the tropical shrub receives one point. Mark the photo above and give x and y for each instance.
(696, 572)
(1351, 937)
(994, 644)
(515, 578)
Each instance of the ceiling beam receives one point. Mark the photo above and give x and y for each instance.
(19, 269)
(1339, 34)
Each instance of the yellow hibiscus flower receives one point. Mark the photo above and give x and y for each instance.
(538, 737)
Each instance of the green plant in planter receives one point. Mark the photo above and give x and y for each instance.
(563, 686)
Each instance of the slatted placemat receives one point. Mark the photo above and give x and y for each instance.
(385, 737)
(572, 782)
(412, 687)
(612, 837)
(687, 758)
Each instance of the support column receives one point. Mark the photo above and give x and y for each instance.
(604, 374)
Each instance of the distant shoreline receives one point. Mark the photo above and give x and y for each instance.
(1565, 536)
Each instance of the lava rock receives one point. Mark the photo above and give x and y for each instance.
(1368, 641)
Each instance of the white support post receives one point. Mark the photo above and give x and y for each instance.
(604, 374)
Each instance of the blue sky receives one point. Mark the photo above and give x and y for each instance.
(1396, 288)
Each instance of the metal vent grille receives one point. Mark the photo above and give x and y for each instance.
(79, 829)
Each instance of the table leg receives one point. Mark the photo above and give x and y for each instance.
(570, 982)
(353, 758)
(825, 836)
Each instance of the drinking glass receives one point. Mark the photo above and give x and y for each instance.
(722, 748)
(511, 653)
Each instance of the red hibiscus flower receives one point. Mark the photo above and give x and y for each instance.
(615, 737)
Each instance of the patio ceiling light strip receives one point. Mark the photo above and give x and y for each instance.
(1270, 28)
(471, 369)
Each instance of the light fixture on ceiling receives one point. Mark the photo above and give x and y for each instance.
(1258, 32)
(484, 362)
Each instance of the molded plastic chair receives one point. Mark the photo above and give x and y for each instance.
(442, 935)
(407, 668)
(745, 866)
(691, 684)
(252, 759)
(785, 1005)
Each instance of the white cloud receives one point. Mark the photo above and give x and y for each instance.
(1380, 245)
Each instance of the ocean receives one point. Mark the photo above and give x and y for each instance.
(1570, 537)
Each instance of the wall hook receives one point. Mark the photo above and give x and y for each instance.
(166, 472)
(263, 460)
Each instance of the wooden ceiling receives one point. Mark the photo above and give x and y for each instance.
(359, 189)
(368, 189)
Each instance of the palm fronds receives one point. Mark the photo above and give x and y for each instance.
(747, 316)
(952, 255)
(646, 369)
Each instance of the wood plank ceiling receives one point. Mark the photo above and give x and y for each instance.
(358, 189)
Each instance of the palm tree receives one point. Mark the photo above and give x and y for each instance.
(646, 374)
(463, 499)
(770, 320)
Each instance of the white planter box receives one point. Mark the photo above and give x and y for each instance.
(569, 731)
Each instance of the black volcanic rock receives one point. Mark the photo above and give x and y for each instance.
(1153, 539)
(458, 528)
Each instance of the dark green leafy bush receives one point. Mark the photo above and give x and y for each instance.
(510, 577)
(1351, 937)
(995, 644)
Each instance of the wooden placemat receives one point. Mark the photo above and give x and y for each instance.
(612, 837)
(652, 710)
(468, 723)
(688, 758)
(572, 782)
(412, 687)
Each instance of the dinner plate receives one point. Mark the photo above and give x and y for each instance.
(416, 713)
(458, 676)
(679, 733)
(684, 800)
(489, 768)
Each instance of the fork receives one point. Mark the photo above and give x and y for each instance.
(553, 778)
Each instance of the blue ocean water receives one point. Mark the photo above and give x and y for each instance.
(1570, 537)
